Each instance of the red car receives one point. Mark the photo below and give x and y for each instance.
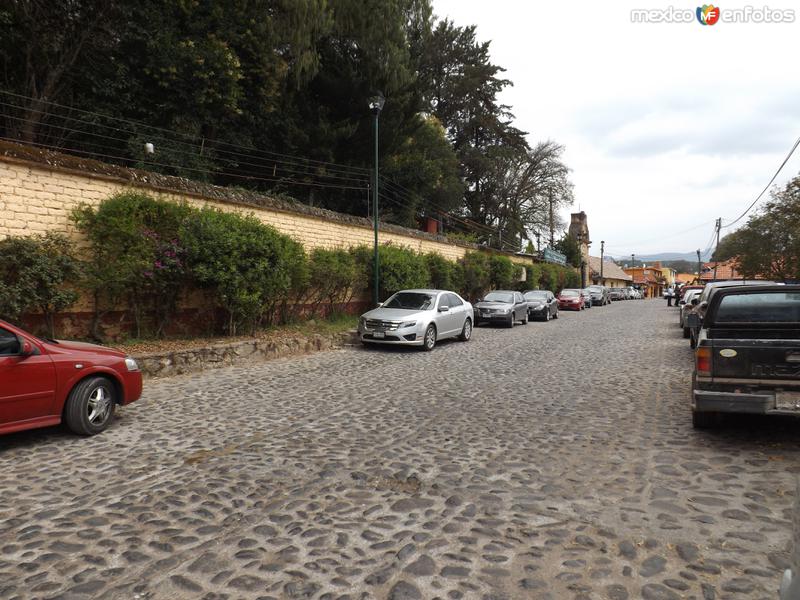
(571, 300)
(45, 382)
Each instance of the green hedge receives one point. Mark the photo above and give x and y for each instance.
(147, 254)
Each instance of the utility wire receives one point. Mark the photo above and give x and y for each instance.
(785, 160)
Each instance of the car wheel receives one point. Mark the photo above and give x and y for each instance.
(547, 315)
(510, 323)
(466, 331)
(429, 341)
(555, 314)
(525, 318)
(90, 406)
(686, 332)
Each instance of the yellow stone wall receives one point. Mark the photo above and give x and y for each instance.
(36, 200)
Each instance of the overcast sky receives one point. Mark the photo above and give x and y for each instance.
(666, 126)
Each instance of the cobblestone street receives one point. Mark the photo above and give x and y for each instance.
(555, 460)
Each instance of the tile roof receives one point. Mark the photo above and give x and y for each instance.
(611, 270)
(726, 270)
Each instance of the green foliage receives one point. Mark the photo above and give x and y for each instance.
(502, 272)
(33, 274)
(533, 277)
(443, 275)
(137, 258)
(333, 275)
(556, 278)
(247, 266)
(569, 247)
(769, 244)
(477, 275)
(399, 268)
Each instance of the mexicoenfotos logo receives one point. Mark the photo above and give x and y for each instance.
(708, 14)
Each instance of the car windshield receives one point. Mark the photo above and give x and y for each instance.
(410, 301)
(499, 297)
(766, 307)
(570, 293)
(536, 295)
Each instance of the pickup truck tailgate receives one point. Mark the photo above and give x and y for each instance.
(746, 356)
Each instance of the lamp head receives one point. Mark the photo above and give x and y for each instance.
(376, 103)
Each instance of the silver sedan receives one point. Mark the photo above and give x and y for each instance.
(417, 318)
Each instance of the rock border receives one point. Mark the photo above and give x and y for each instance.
(195, 360)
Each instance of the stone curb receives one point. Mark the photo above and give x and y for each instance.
(194, 360)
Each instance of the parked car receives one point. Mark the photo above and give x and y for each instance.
(685, 309)
(616, 294)
(748, 354)
(686, 289)
(599, 293)
(46, 382)
(587, 298)
(417, 318)
(542, 304)
(502, 306)
(571, 300)
(705, 297)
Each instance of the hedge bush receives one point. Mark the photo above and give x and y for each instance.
(477, 276)
(443, 273)
(33, 274)
(399, 268)
(333, 276)
(137, 259)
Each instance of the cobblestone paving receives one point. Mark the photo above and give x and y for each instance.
(555, 460)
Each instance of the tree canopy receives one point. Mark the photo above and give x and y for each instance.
(272, 95)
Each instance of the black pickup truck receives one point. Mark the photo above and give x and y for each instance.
(747, 358)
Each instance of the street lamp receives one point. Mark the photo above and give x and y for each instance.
(376, 105)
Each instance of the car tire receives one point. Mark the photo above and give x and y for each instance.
(429, 341)
(525, 318)
(510, 323)
(466, 331)
(555, 314)
(686, 332)
(547, 315)
(90, 406)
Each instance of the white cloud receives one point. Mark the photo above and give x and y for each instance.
(667, 126)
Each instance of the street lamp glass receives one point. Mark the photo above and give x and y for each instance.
(376, 103)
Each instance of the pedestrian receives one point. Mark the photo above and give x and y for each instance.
(668, 296)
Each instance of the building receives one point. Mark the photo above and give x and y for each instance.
(668, 272)
(686, 278)
(610, 275)
(648, 279)
(579, 229)
(725, 270)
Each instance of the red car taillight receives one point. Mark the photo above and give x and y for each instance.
(703, 361)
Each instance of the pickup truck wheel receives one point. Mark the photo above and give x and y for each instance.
(90, 406)
(686, 332)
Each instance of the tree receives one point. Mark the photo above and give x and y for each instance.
(569, 247)
(769, 244)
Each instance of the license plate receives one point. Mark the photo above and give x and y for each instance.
(486, 314)
(787, 401)
(379, 335)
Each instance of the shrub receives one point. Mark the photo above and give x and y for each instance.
(333, 276)
(246, 265)
(442, 271)
(555, 277)
(502, 272)
(476, 275)
(533, 276)
(399, 268)
(33, 273)
(137, 258)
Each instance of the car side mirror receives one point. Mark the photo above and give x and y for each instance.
(693, 320)
(444, 309)
(25, 347)
(379, 304)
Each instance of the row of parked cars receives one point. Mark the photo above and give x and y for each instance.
(746, 339)
(422, 317)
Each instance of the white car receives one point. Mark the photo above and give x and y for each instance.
(417, 318)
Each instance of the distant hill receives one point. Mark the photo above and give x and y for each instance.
(668, 256)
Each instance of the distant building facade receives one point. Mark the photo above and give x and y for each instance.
(608, 273)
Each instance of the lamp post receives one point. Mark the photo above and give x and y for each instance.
(376, 105)
(602, 258)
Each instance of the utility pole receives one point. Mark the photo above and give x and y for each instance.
(699, 266)
(376, 105)
(552, 224)
(602, 250)
(716, 248)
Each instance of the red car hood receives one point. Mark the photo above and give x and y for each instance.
(68, 346)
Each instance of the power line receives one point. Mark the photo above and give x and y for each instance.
(785, 160)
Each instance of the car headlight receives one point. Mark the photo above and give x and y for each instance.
(505, 310)
(405, 324)
(362, 322)
(130, 364)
